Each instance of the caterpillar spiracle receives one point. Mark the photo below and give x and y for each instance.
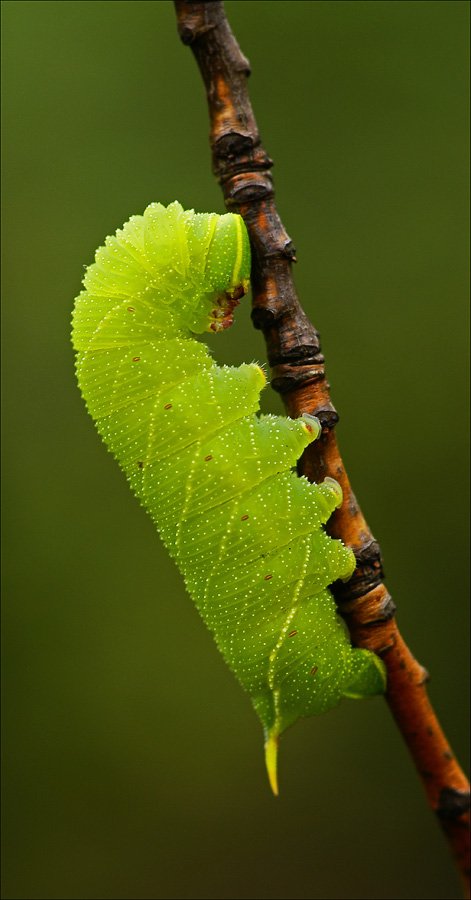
(216, 476)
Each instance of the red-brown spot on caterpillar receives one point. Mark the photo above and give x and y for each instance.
(131, 309)
(207, 458)
(292, 633)
(267, 577)
(243, 518)
(136, 358)
(168, 406)
(313, 670)
(309, 427)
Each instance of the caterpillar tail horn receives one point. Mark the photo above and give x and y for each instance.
(271, 759)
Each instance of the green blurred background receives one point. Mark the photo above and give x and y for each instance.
(132, 760)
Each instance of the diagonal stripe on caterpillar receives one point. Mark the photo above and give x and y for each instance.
(215, 476)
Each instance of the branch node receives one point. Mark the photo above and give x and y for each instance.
(249, 188)
(189, 33)
(452, 803)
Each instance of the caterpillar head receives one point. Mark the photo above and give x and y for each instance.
(223, 241)
(190, 269)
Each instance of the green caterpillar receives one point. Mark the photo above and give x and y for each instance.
(245, 530)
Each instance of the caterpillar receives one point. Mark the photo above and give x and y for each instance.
(215, 475)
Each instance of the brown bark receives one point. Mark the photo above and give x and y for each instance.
(242, 167)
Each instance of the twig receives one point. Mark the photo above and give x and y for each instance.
(297, 371)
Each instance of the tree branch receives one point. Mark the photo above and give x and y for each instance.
(242, 168)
